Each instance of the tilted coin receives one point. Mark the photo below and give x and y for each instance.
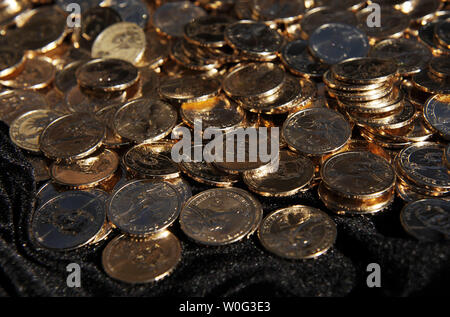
(141, 261)
(68, 221)
(254, 39)
(123, 40)
(143, 207)
(26, 129)
(362, 96)
(189, 89)
(72, 137)
(17, 102)
(207, 30)
(65, 79)
(37, 73)
(11, 60)
(366, 70)
(411, 56)
(440, 66)
(84, 4)
(144, 161)
(294, 174)
(107, 75)
(156, 50)
(358, 174)
(280, 11)
(171, 18)
(183, 188)
(86, 172)
(269, 77)
(297, 232)
(316, 131)
(106, 116)
(427, 219)
(134, 11)
(93, 22)
(423, 164)
(217, 113)
(442, 31)
(430, 83)
(332, 82)
(145, 120)
(334, 42)
(193, 57)
(393, 23)
(11, 9)
(426, 35)
(437, 114)
(220, 216)
(296, 57)
(422, 8)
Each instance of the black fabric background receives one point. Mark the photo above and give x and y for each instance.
(408, 267)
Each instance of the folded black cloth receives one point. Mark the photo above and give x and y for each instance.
(408, 267)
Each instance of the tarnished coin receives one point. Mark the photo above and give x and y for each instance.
(427, 219)
(392, 24)
(93, 22)
(134, 11)
(145, 120)
(358, 174)
(220, 216)
(423, 164)
(26, 129)
(437, 114)
(141, 261)
(65, 79)
(171, 18)
(124, 40)
(280, 11)
(316, 131)
(106, 116)
(430, 83)
(218, 113)
(144, 207)
(11, 60)
(297, 232)
(207, 30)
(144, 161)
(17, 102)
(107, 75)
(72, 137)
(411, 56)
(365, 70)
(86, 172)
(321, 15)
(335, 42)
(294, 174)
(189, 89)
(296, 57)
(269, 77)
(68, 221)
(440, 66)
(37, 73)
(253, 39)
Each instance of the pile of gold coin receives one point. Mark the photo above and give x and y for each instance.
(98, 101)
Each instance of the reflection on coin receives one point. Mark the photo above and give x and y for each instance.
(86, 172)
(321, 15)
(134, 11)
(440, 66)
(26, 129)
(207, 30)
(10, 61)
(72, 136)
(141, 261)
(316, 131)
(430, 83)
(358, 174)
(269, 76)
(207, 173)
(254, 39)
(393, 23)
(107, 75)
(294, 174)
(122, 40)
(17, 102)
(144, 207)
(145, 120)
(297, 232)
(297, 59)
(437, 114)
(334, 42)
(65, 79)
(79, 99)
(427, 219)
(280, 11)
(106, 116)
(171, 18)
(422, 8)
(189, 89)
(411, 56)
(442, 31)
(183, 188)
(68, 221)
(220, 216)
(156, 50)
(84, 4)
(364, 70)
(38, 73)
(144, 161)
